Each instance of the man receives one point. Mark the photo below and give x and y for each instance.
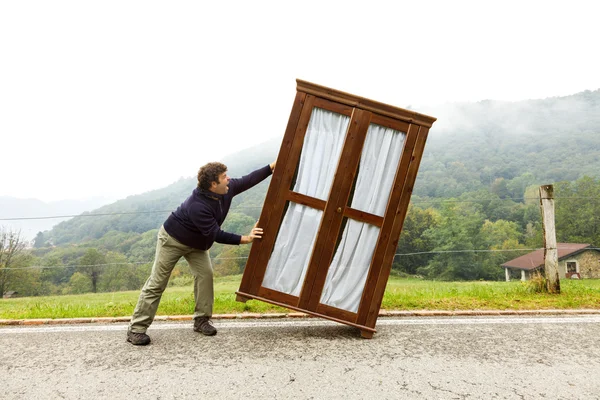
(189, 232)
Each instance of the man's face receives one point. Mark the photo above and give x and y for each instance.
(222, 187)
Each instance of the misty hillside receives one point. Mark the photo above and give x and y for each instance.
(150, 209)
(501, 147)
(11, 207)
(493, 143)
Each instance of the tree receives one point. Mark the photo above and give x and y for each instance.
(499, 235)
(495, 234)
(144, 248)
(121, 274)
(59, 266)
(412, 239)
(454, 238)
(578, 211)
(12, 255)
(39, 240)
(238, 223)
(91, 264)
(517, 187)
(500, 188)
(78, 284)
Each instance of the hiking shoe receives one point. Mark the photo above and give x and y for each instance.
(139, 339)
(205, 326)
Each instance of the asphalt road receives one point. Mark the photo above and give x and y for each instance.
(409, 358)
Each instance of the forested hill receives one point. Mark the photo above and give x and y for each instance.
(502, 147)
(509, 145)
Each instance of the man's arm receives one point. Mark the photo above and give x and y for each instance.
(239, 185)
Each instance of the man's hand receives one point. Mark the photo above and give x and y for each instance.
(272, 165)
(255, 233)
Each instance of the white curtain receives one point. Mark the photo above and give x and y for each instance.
(318, 163)
(348, 271)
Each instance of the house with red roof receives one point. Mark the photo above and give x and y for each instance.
(575, 261)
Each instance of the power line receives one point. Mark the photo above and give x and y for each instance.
(472, 201)
(244, 258)
(578, 197)
(461, 251)
(491, 250)
(106, 264)
(83, 215)
(504, 198)
(104, 214)
(79, 266)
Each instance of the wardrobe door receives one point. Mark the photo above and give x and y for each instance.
(293, 248)
(357, 240)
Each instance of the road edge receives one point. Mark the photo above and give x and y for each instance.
(382, 313)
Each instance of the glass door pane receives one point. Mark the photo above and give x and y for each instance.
(349, 268)
(320, 153)
(378, 164)
(293, 247)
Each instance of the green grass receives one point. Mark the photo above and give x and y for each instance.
(407, 294)
(401, 294)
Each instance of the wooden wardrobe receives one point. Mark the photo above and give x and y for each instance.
(335, 207)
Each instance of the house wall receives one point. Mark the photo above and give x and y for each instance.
(519, 274)
(588, 262)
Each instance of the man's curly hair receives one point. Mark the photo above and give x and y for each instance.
(210, 173)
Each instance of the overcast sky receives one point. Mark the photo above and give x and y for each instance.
(114, 98)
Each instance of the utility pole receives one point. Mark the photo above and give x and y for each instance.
(550, 250)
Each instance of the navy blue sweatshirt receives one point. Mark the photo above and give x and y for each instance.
(197, 221)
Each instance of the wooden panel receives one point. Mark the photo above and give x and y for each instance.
(365, 104)
(336, 313)
(363, 216)
(333, 216)
(270, 301)
(271, 197)
(390, 215)
(375, 303)
(305, 200)
(390, 123)
(280, 297)
(334, 107)
(271, 216)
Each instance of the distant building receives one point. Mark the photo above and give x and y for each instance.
(575, 261)
(9, 294)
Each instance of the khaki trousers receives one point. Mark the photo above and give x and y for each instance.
(168, 252)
